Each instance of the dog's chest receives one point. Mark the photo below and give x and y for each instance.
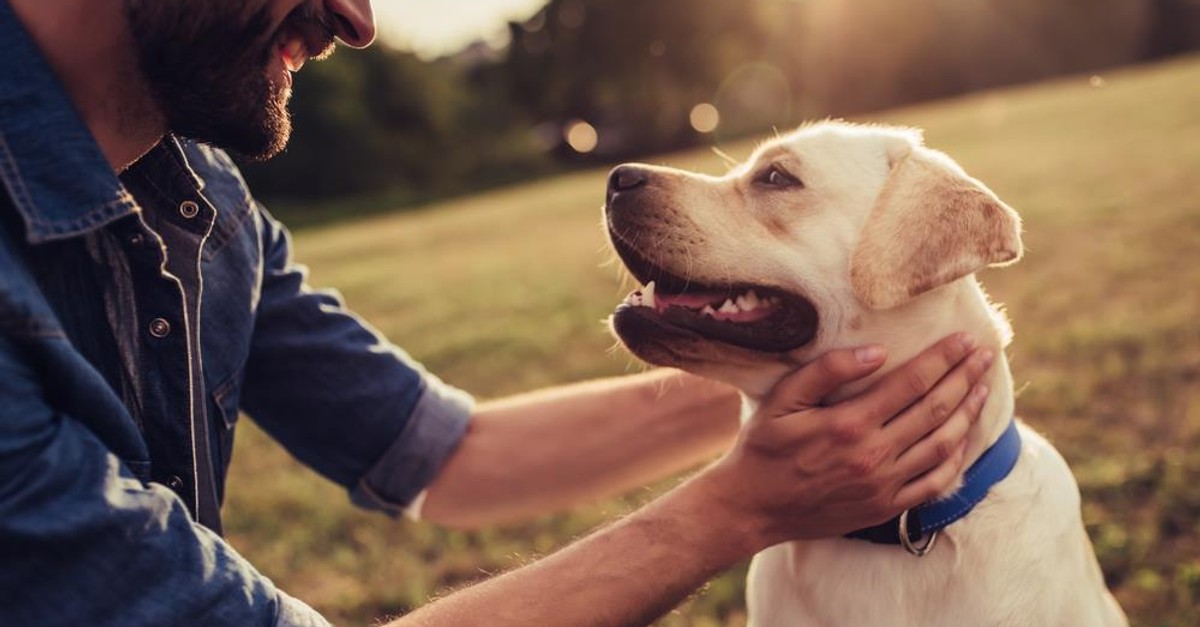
(1020, 558)
(850, 582)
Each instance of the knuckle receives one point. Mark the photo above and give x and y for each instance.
(951, 351)
(939, 411)
(848, 430)
(874, 414)
(867, 461)
(975, 368)
(916, 381)
(944, 449)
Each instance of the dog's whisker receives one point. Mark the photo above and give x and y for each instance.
(729, 161)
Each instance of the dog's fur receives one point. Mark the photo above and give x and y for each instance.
(882, 237)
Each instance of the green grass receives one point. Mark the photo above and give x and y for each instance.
(505, 291)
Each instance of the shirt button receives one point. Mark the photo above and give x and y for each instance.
(188, 209)
(137, 239)
(160, 328)
(175, 483)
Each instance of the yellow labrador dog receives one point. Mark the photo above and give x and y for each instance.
(837, 236)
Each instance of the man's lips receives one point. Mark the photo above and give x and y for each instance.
(293, 52)
(304, 35)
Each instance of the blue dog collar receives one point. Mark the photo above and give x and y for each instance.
(926, 520)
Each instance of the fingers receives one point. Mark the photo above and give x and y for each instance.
(928, 486)
(806, 387)
(939, 446)
(908, 383)
(936, 408)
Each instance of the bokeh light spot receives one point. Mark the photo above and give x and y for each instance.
(755, 95)
(572, 14)
(705, 117)
(581, 136)
(1097, 81)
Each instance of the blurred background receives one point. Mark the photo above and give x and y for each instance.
(579, 82)
(449, 183)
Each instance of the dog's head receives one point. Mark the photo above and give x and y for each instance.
(820, 233)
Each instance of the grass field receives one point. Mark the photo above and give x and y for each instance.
(505, 291)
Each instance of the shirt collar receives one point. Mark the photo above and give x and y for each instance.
(50, 165)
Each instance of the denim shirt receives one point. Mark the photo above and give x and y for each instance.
(138, 315)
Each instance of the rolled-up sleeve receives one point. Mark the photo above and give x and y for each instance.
(339, 396)
(83, 541)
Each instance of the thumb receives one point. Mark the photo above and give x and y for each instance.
(809, 385)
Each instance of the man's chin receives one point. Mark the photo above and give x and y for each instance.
(269, 145)
(252, 138)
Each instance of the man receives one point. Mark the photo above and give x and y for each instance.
(145, 298)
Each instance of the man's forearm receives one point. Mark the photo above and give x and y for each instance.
(795, 473)
(627, 574)
(553, 449)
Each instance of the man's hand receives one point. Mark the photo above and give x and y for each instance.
(801, 470)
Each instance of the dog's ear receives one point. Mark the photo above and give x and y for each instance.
(930, 225)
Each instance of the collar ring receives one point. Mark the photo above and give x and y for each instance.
(913, 549)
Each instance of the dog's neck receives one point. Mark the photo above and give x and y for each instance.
(913, 327)
(962, 306)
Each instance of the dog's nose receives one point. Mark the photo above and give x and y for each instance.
(624, 178)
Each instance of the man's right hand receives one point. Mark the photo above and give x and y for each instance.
(801, 470)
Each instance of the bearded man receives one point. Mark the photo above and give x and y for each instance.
(146, 299)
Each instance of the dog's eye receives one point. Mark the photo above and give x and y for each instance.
(778, 178)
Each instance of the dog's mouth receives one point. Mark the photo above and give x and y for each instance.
(746, 315)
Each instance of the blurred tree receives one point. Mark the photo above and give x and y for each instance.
(1175, 27)
(382, 120)
(634, 69)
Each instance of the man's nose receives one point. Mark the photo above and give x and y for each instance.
(354, 20)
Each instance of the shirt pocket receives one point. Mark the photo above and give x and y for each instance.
(225, 400)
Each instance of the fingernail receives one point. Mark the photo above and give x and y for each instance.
(966, 341)
(869, 354)
(986, 358)
(980, 393)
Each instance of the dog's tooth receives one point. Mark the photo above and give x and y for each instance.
(709, 311)
(648, 294)
(728, 307)
(746, 304)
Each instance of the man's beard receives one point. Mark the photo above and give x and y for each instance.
(206, 64)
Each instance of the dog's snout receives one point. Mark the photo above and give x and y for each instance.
(626, 178)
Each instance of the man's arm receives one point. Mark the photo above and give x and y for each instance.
(798, 471)
(550, 450)
(86, 543)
